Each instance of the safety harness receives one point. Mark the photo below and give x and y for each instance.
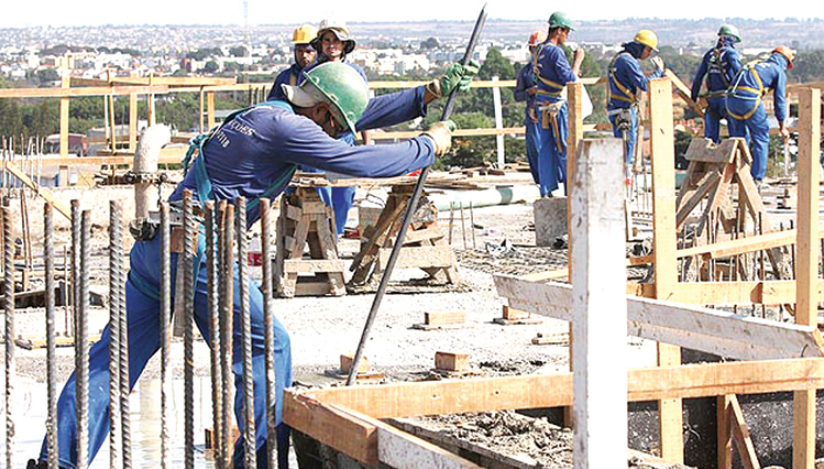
(549, 111)
(628, 96)
(759, 92)
(716, 64)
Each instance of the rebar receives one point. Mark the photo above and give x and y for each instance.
(463, 228)
(249, 445)
(472, 224)
(165, 335)
(451, 219)
(268, 332)
(115, 274)
(125, 383)
(8, 308)
(67, 297)
(227, 322)
(188, 334)
(82, 342)
(51, 364)
(214, 324)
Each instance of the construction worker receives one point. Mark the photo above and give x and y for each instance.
(254, 154)
(744, 104)
(719, 65)
(304, 56)
(552, 72)
(525, 89)
(626, 82)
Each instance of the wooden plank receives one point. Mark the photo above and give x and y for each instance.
(548, 275)
(429, 234)
(302, 266)
(724, 431)
(444, 318)
(707, 330)
(707, 183)
(806, 312)
(143, 81)
(41, 191)
(419, 257)
(347, 359)
(741, 435)
(684, 92)
(64, 119)
(78, 92)
(706, 151)
(555, 390)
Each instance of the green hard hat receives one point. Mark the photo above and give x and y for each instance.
(344, 87)
(730, 30)
(559, 19)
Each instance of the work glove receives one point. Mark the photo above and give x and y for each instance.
(456, 75)
(658, 62)
(441, 135)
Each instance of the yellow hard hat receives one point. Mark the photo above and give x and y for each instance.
(304, 34)
(647, 38)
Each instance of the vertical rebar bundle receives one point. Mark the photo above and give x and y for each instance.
(268, 332)
(214, 324)
(226, 346)
(115, 300)
(165, 335)
(246, 336)
(188, 334)
(8, 308)
(51, 368)
(82, 343)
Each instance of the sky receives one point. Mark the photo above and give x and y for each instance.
(100, 12)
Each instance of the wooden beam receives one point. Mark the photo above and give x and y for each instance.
(41, 191)
(554, 390)
(166, 81)
(707, 330)
(78, 92)
(724, 431)
(684, 92)
(64, 120)
(741, 435)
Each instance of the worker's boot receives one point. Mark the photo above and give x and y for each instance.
(35, 464)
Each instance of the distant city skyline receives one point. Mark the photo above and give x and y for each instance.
(210, 12)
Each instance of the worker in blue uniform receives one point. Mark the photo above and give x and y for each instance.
(525, 89)
(254, 154)
(626, 82)
(305, 56)
(744, 104)
(719, 66)
(552, 72)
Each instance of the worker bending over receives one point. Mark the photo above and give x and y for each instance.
(719, 66)
(744, 104)
(254, 154)
(553, 72)
(626, 82)
(525, 88)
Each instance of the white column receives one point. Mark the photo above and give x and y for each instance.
(499, 122)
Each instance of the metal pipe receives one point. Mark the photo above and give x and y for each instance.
(188, 334)
(214, 324)
(165, 335)
(125, 380)
(145, 161)
(8, 308)
(249, 446)
(115, 274)
(51, 364)
(268, 331)
(226, 329)
(82, 343)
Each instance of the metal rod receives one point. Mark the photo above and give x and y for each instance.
(166, 390)
(249, 445)
(268, 332)
(67, 287)
(115, 273)
(226, 329)
(472, 224)
(451, 219)
(188, 334)
(214, 324)
(463, 226)
(125, 379)
(8, 308)
(410, 210)
(82, 343)
(51, 364)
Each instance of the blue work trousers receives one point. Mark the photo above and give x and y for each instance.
(716, 111)
(532, 146)
(343, 198)
(632, 134)
(552, 150)
(143, 312)
(759, 130)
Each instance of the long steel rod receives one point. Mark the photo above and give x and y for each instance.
(51, 357)
(250, 458)
(214, 325)
(115, 270)
(268, 332)
(188, 332)
(82, 343)
(165, 336)
(8, 308)
(227, 327)
(125, 379)
(407, 217)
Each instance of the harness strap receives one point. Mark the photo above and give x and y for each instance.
(629, 96)
(537, 73)
(759, 92)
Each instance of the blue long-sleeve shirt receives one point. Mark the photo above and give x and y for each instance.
(719, 65)
(290, 76)
(552, 72)
(772, 74)
(523, 82)
(626, 69)
(252, 152)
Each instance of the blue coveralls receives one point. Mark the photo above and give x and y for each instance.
(744, 105)
(524, 81)
(553, 72)
(720, 65)
(626, 80)
(256, 153)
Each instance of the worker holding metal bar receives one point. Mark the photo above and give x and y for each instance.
(626, 82)
(553, 72)
(254, 154)
(718, 69)
(744, 104)
(526, 87)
